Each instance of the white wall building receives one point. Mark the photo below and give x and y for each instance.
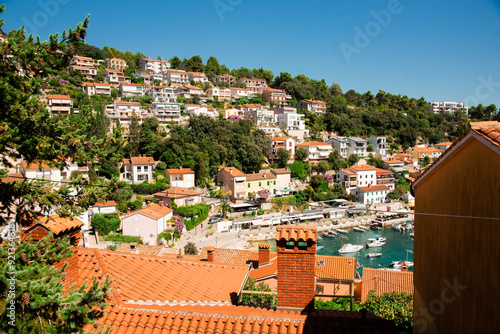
(317, 150)
(155, 65)
(287, 143)
(147, 222)
(130, 89)
(123, 111)
(177, 77)
(372, 194)
(291, 121)
(379, 145)
(166, 111)
(138, 169)
(181, 177)
(446, 106)
(356, 176)
(349, 145)
(162, 94)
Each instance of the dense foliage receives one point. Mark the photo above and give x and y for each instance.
(197, 214)
(256, 299)
(41, 303)
(392, 306)
(338, 304)
(122, 238)
(146, 188)
(105, 223)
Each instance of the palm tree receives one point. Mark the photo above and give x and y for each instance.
(224, 208)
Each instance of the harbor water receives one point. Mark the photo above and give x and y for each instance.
(399, 246)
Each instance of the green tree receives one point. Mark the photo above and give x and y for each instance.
(301, 154)
(256, 299)
(335, 89)
(105, 224)
(298, 170)
(283, 156)
(395, 306)
(323, 167)
(316, 181)
(353, 159)
(224, 208)
(175, 62)
(42, 305)
(394, 195)
(190, 249)
(134, 137)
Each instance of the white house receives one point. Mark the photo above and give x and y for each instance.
(356, 176)
(198, 77)
(177, 77)
(166, 111)
(349, 145)
(42, 172)
(287, 143)
(372, 194)
(220, 93)
(290, 120)
(138, 169)
(317, 150)
(155, 65)
(284, 185)
(123, 111)
(188, 92)
(147, 222)
(181, 177)
(92, 88)
(162, 94)
(130, 89)
(379, 145)
(115, 77)
(104, 207)
(204, 111)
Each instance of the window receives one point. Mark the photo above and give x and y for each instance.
(138, 168)
(267, 182)
(289, 245)
(145, 168)
(248, 185)
(274, 182)
(302, 245)
(260, 184)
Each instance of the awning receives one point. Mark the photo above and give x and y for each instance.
(311, 217)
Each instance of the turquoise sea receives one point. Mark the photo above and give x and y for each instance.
(396, 247)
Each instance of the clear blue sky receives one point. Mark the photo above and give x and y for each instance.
(442, 50)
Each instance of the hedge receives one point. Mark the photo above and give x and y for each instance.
(105, 223)
(198, 213)
(150, 188)
(122, 238)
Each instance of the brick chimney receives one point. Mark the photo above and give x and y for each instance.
(210, 254)
(264, 254)
(296, 247)
(38, 227)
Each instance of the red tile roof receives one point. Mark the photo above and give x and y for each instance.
(386, 281)
(231, 256)
(362, 168)
(394, 161)
(268, 270)
(139, 161)
(335, 268)
(59, 97)
(380, 171)
(377, 187)
(33, 165)
(108, 203)
(153, 210)
(313, 143)
(426, 149)
(57, 224)
(12, 177)
(280, 171)
(177, 192)
(180, 171)
(233, 171)
(279, 138)
(260, 176)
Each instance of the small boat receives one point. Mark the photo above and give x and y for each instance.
(356, 228)
(400, 263)
(375, 243)
(349, 248)
(373, 254)
(377, 237)
(366, 228)
(330, 234)
(320, 247)
(342, 231)
(412, 234)
(398, 227)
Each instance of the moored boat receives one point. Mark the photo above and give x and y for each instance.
(375, 243)
(357, 229)
(373, 254)
(330, 234)
(401, 263)
(366, 228)
(349, 248)
(342, 231)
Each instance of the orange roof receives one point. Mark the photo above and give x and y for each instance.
(233, 171)
(139, 161)
(314, 101)
(112, 70)
(295, 233)
(488, 130)
(149, 280)
(153, 210)
(393, 161)
(13, 177)
(129, 84)
(83, 58)
(176, 71)
(231, 256)
(377, 187)
(59, 97)
(177, 192)
(125, 103)
(33, 165)
(108, 203)
(347, 171)
(426, 149)
(446, 143)
(336, 267)
(362, 168)
(264, 271)
(279, 171)
(313, 143)
(58, 224)
(180, 171)
(386, 281)
(381, 171)
(260, 176)
(279, 138)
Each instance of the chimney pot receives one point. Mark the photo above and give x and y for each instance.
(264, 254)
(210, 254)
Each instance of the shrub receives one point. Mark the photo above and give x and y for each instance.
(190, 249)
(254, 213)
(394, 306)
(198, 213)
(122, 238)
(105, 224)
(150, 188)
(258, 299)
(260, 212)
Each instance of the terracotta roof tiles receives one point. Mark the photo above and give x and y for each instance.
(57, 224)
(336, 267)
(177, 192)
(233, 171)
(153, 210)
(180, 171)
(139, 161)
(107, 203)
(279, 171)
(387, 281)
(296, 233)
(260, 176)
(313, 143)
(376, 187)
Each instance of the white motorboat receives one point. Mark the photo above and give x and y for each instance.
(398, 227)
(349, 248)
(412, 234)
(330, 234)
(400, 263)
(366, 228)
(342, 231)
(357, 229)
(373, 254)
(377, 237)
(375, 243)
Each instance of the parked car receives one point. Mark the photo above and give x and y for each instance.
(214, 219)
